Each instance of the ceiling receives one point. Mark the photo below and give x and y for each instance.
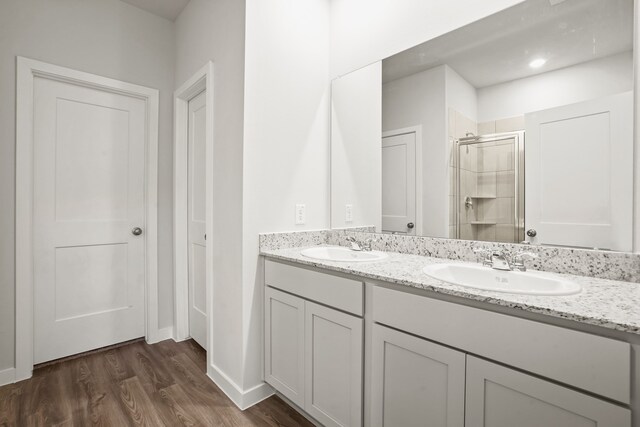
(169, 9)
(499, 48)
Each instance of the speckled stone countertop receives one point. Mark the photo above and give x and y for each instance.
(606, 303)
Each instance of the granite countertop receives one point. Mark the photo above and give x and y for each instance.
(605, 303)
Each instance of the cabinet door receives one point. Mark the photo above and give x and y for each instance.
(415, 382)
(333, 360)
(284, 344)
(501, 397)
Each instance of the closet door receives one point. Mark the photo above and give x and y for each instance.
(501, 397)
(415, 382)
(196, 210)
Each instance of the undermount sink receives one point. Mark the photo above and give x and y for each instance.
(337, 253)
(514, 282)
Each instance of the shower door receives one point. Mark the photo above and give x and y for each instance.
(490, 183)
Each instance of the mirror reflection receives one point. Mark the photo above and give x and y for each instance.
(518, 127)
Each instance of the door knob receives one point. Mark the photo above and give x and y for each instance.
(136, 231)
(531, 232)
(410, 225)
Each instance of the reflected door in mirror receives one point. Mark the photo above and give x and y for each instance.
(399, 183)
(580, 174)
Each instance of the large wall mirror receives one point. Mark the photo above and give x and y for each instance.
(517, 127)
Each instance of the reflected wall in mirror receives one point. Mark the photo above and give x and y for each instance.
(517, 127)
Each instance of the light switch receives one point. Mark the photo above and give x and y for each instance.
(301, 214)
(348, 213)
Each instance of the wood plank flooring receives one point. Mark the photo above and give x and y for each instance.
(163, 384)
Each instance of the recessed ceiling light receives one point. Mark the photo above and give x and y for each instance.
(537, 63)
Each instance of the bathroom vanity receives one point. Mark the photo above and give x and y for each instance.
(514, 135)
(383, 344)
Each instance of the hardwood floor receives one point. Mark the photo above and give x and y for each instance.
(163, 384)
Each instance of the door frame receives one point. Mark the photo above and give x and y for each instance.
(26, 72)
(202, 80)
(417, 130)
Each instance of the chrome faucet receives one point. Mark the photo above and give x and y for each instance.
(494, 258)
(364, 246)
(355, 246)
(500, 260)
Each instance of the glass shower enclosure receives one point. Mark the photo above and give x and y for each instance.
(489, 183)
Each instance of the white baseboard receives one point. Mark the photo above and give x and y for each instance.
(243, 399)
(161, 335)
(7, 376)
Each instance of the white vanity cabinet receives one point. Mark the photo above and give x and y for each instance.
(501, 397)
(415, 382)
(313, 352)
(431, 362)
(495, 395)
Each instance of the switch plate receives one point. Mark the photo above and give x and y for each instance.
(348, 213)
(301, 214)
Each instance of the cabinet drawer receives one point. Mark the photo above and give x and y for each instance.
(589, 362)
(343, 294)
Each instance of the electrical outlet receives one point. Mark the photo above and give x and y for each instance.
(348, 213)
(301, 214)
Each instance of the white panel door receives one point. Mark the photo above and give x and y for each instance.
(333, 366)
(497, 396)
(415, 382)
(196, 220)
(399, 184)
(579, 174)
(284, 344)
(89, 163)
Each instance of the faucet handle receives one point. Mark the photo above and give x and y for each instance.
(368, 242)
(518, 259)
(486, 254)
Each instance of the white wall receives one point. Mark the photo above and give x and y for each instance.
(356, 152)
(105, 37)
(589, 80)
(420, 100)
(286, 146)
(461, 95)
(214, 31)
(366, 31)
